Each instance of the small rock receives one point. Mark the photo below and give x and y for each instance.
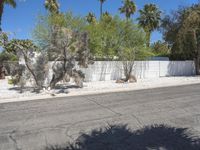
(132, 79)
(52, 94)
(120, 81)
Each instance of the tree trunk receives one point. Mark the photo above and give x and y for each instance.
(197, 59)
(197, 63)
(55, 80)
(148, 38)
(30, 70)
(101, 10)
(128, 68)
(2, 72)
(1, 13)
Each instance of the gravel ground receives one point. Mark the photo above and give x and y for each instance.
(9, 93)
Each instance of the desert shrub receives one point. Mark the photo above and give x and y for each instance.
(64, 40)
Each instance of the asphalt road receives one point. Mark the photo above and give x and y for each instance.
(32, 125)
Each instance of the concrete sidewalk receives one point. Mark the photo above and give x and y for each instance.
(10, 94)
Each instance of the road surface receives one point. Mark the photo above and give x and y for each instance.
(32, 125)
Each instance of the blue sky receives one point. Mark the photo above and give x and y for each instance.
(21, 21)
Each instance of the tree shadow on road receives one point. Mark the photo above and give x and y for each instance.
(120, 137)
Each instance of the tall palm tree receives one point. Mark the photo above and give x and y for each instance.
(106, 13)
(90, 18)
(101, 6)
(106, 17)
(2, 4)
(149, 19)
(52, 6)
(128, 8)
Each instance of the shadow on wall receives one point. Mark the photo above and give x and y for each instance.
(181, 68)
(103, 71)
(119, 137)
(141, 69)
(117, 71)
(109, 70)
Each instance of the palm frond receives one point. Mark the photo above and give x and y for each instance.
(11, 3)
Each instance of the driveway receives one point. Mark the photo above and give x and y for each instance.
(32, 125)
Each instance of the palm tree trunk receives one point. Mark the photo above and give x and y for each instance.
(148, 38)
(1, 13)
(101, 9)
(127, 18)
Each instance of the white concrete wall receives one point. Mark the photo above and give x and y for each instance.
(112, 70)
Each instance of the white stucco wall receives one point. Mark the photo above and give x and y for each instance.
(112, 70)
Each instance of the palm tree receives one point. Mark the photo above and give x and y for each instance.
(128, 8)
(90, 18)
(106, 17)
(52, 6)
(101, 6)
(106, 14)
(2, 4)
(149, 19)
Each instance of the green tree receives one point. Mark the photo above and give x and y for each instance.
(101, 6)
(160, 48)
(6, 56)
(25, 49)
(63, 38)
(128, 8)
(44, 25)
(2, 4)
(132, 46)
(170, 26)
(189, 36)
(114, 38)
(131, 40)
(107, 17)
(102, 37)
(52, 6)
(182, 31)
(149, 19)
